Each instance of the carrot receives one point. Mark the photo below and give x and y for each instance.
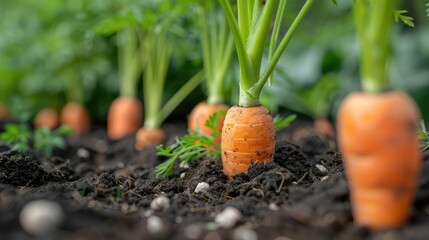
(75, 116)
(47, 117)
(248, 136)
(201, 113)
(125, 117)
(323, 125)
(149, 137)
(377, 136)
(377, 129)
(4, 113)
(248, 132)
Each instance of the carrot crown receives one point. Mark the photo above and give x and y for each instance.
(249, 33)
(374, 19)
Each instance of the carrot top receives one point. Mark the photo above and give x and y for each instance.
(254, 21)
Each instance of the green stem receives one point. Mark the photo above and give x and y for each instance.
(276, 33)
(129, 66)
(179, 96)
(74, 86)
(256, 89)
(375, 43)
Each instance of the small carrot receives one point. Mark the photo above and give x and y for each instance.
(47, 117)
(4, 113)
(377, 136)
(149, 137)
(75, 116)
(125, 117)
(201, 113)
(323, 125)
(248, 136)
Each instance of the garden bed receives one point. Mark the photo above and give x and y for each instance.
(106, 190)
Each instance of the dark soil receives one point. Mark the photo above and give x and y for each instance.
(106, 189)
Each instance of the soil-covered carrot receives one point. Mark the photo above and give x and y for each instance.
(377, 129)
(201, 113)
(248, 136)
(47, 117)
(125, 117)
(76, 117)
(248, 131)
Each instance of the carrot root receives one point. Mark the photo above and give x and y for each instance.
(377, 136)
(148, 137)
(201, 113)
(47, 117)
(324, 126)
(247, 137)
(77, 117)
(125, 117)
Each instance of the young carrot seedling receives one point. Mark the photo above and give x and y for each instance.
(248, 132)
(377, 128)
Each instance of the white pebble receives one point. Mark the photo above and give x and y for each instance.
(193, 231)
(154, 224)
(179, 219)
(160, 203)
(324, 178)
(40, 217)
(82, 153)
(184, 165)
(245, 233)
(273, 207)
(202, 187)
(182, 175)
(228, 217)
(322, 168)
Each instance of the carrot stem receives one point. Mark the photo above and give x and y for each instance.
(74, 88)
(129, 66)
(373, 27)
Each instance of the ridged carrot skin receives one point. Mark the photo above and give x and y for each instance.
(125, 117)
(201, 113)
(149, 137)
(75, 116)
(378, 138)
(47, 117)
(248, 136)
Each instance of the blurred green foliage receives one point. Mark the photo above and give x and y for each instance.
(52, 51)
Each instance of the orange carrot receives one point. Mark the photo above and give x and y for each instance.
(247, 137)
(148, 137)
(323, 125)
(75, 116)
(47, 117)
(4, 113)
(201, 113)
(377, 136)
(125, 117)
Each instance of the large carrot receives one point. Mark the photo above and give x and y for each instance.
(75, 116)
(47, 117)
(248, 130)
(126, 112)
(377, 136)
(377, 130)
(201, 113)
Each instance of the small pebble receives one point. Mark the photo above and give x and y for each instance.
(160, 203)
(182, 175)
(184, 165)
(324, 178)
(193, 231)
(228, 217)
(245, 233)
(202, 187)
(273, 207)
(82, 153)
(322, 168)
(154, 224)
(179, 219)
(40, 217)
